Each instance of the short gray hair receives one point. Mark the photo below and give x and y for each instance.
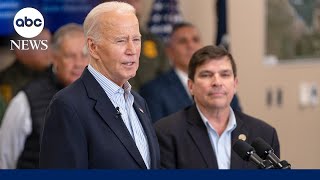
(65, 30)
(91, 25)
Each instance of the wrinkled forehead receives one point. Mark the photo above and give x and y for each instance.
(120, 24)
(116, 18)
(111, 20)
(185, 31)
(219, 62)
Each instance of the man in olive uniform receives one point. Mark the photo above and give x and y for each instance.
(29, 64)
(153, 60)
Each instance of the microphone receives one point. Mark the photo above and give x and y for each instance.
(247, 153)
(118, 111)
(265, 151)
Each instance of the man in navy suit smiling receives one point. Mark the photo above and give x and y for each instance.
(98, 122)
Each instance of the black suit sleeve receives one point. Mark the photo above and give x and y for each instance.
(275, 143)
(167, 148)
(63, 143)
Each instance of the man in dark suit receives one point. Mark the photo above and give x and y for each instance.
(98, 122)
(201, 135)
(169, 93)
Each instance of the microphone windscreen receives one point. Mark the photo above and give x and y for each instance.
(262, 148)
(243, 149)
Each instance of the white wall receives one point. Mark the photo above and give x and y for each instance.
(297, 127)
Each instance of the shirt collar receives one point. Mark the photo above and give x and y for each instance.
(232, 123)
(108, 85)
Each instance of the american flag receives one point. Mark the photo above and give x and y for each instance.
(164, 14)
(222, 29)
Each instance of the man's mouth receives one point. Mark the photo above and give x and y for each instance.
(128, 63)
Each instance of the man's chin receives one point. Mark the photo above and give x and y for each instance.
(131, 76)
(219, 105)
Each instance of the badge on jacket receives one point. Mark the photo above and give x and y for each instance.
(6, 92)
(150, 49)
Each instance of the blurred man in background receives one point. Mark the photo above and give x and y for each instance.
(24, 118)
(168, 93)
(29, 64)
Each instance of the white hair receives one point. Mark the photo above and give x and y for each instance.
(91, 25)
(70, 29)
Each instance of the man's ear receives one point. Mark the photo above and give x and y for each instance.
(236, 81)
(55, 58)
(190, 86)
(92, 48)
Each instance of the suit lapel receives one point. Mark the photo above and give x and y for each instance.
(236, 161)
(108, 113)
(198, 133)
(148, 131)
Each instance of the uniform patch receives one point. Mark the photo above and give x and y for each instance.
(150, 49)
(6, 92)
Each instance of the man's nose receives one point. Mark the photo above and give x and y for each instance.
(216, 80)
(131, 48)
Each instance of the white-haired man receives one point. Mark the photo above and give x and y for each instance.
(98, 122)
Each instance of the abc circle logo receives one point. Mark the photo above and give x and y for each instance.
(28, 22)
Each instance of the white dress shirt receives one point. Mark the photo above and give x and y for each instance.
(221, 145)
(16, 127)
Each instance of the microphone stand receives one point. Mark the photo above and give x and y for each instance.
(266, 164)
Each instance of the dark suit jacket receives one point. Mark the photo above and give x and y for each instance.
(166, 95)
(82, 130)
(185, 144)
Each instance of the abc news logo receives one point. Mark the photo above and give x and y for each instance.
(28, 23)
